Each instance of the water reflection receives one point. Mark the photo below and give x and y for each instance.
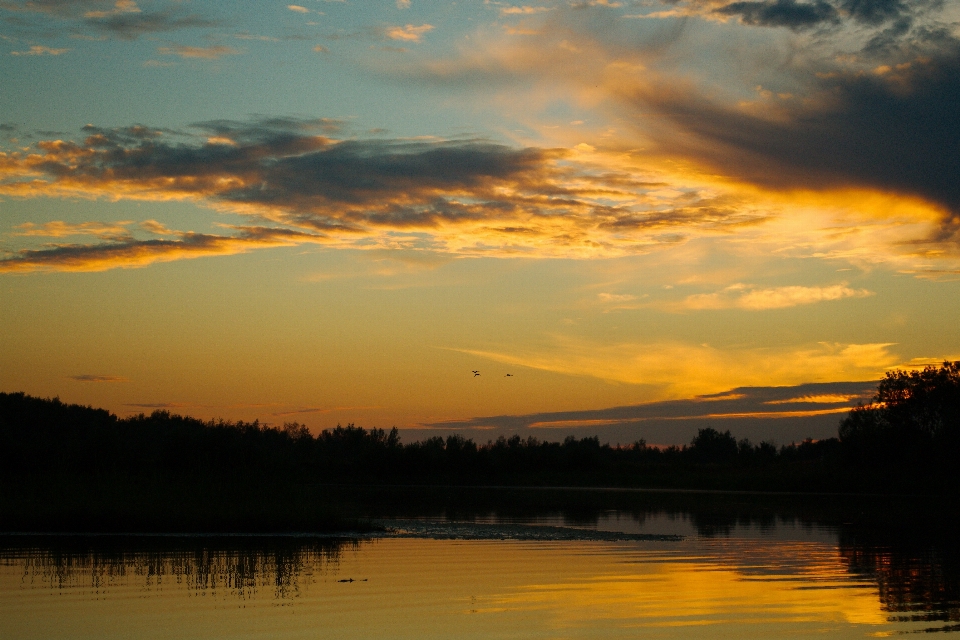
(679, 512)
(237, 566)
(915, 583)
(741, 565)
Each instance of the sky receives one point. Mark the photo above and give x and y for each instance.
(654, 216)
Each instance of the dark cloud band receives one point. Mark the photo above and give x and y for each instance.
(782, 414)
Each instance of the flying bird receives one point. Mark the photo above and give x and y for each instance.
(509, 375)
(476, 373)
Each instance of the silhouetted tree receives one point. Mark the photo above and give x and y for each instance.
(711, 446)
(913, 422)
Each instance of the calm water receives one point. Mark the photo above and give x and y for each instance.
(535, 573)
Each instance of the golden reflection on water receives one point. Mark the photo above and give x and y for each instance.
(698, 594)
(422, 588)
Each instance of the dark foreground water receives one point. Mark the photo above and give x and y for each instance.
(609, 566)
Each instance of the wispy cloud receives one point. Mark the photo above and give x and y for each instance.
(60, 229)
(616, 297)
(522, 10)
(408, 33)
(119, 7)
(253, 36)
(40, 50)
(214, 52)
(159, 405)
(293, 412)
(743, 296)
(122, 19)
(138, 253)
(820, 398)
(87, 377)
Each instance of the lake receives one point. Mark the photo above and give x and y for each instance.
(507, 564)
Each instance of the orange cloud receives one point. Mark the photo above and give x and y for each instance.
(655, 97)
(469, 198)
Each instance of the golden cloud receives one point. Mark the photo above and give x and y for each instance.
(681, 370)
(60, 229)
(741, 296)
(724, 128)
(464, 198)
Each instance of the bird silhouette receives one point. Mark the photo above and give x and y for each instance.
(509, 375)
(476, 373)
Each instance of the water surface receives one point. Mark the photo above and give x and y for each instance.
(609, 573)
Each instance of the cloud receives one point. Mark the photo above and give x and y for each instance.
(253, 36)
(801, 15)
(130, 26)
(819, 398)
(403, 4)
(119, 7)
(408, 33)
(64, 8)
(132, 252)
(122, 18)
(615, 297)
(878, 11)
(157, 228)
(678, 369)
(861, 103)
(206, 53)
(468, 196)
(39, 50)
(462, 197)
(59, 229)
(293, 412)
(885, 132)
(783, 414)
(522, 11)
(741, 296)
(97, 378)
(781, 13)
(160, 405)
(266, 128)
(297, 8)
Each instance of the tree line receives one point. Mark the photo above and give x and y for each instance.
(907, 438)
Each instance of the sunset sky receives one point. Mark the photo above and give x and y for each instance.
(656, 216)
